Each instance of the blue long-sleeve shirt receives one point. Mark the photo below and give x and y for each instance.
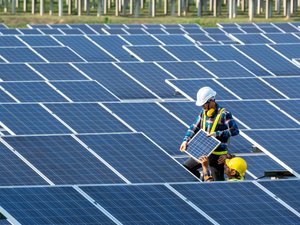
(226, 127)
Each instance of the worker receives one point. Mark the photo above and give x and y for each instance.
(235, 169)
(217, 122)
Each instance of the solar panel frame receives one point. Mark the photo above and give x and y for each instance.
(201, 145)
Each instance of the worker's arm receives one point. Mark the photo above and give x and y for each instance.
(204, 161)
(193, 129)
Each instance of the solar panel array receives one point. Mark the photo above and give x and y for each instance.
(92, 117)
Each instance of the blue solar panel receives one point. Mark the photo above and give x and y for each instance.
(259, 115)
(58, 54)
(229, 53)
(72, 31)
(287, 190)
(136, 31)
(144, 204)
(114, 45)
(33, 92)
(155, 31)
(5, 97)
(227, 69)
(137, 158)
(115, 80)
(156, 123)
(287, 85)
(174, 39)
(8, 41)
(291, 107)
(152, 77)
(251, 30)
(20, 55)
(50, 31)
(63, 160)
(151, 53)
(174, 30)
(283, 38)
(28, 31)
(30, 119)
(191, 86)
(270, 30)
(220, 37)
(85, 48)
(286, 27)
(289, 50)
(13, 171)
(251, 39)
(84, 28)
(193, 30)
(39, 40)
(237, 203)
(186, 69)
(213, 30)
(84, 91)
(58, 71)
(232, 30)
(200, 37)
(50, 205)
(188, 53)
(36, 26)
(87, 118)
(270, 59)
(281, 144)
(141, 40)
(201, 145)
(258, 164)
(250, 88)
(114, 31)
(17, 72)
(9, 31)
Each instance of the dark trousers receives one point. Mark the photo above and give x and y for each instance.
(217, 170)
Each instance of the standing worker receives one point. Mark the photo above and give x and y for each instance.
(217, 122)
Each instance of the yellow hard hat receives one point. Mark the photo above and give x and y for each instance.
(237, 164)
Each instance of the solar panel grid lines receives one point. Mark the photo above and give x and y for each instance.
(201, 145)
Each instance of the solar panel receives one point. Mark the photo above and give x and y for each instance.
(84, 91)
(85, 48)
(84, 28)
(154, 121)
(30, 119)
(40, 206)
(58, 71)
(236, 203)
(39, 40)
(224, 52)
(14, 171)
(185, 53)
(7, 41)
(17, 72)
(141, 40)
(227, 69)
(63, 160)
(280, 187)
(291, 107)
(28, 31)
(185, 69)
(137, 158)
(33, 92)
(87, 118)
(71, 31)
(115, 80)
(286, 27)
(287, 85)
(283, 38)
(291, 51)
(50, 31)
(201, 145)
(21, 54)
(9, 31)
(251, 39)
(173, 39)
(58, 54)
(270, 59)
(145, 204)
(280, 143)
(259, 115)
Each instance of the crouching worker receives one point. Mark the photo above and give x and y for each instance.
(235, 169)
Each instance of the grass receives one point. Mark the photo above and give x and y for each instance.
(21, 19)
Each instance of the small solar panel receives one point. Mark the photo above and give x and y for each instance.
(201, 145)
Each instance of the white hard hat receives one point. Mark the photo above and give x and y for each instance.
(204, 94)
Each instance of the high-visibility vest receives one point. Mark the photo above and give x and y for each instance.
(215, 123)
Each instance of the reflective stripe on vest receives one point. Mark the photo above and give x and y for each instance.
(213, 129)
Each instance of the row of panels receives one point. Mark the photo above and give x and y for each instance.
(244, 203)
(146, 87)
(164, 123)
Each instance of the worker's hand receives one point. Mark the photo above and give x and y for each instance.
(204, 161)
(212, 134)
(221, 159)
(183, 146)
